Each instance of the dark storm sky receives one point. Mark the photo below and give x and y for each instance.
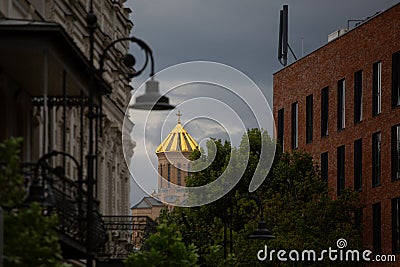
(239, 33)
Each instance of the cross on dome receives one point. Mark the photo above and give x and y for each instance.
(179, 114)
(178, 140)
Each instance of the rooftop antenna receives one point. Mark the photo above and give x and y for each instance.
(284, 36)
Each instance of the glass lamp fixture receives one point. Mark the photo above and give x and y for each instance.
(151, 99)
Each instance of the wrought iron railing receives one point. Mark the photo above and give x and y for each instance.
(115, 237)
(70, 204)
(125, 235)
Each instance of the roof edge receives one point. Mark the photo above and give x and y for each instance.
(366, 21)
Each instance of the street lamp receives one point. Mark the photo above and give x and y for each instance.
(37, 191)
(262, 233)
(150, 100)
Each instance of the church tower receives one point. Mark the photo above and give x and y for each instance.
(173, 154)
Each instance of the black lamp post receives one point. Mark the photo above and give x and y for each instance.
(150, 100)
(37, 191)
(262, 233)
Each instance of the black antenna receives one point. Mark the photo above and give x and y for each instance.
(280, 35)
(284, 36)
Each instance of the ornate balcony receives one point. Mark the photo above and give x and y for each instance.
(125, 234)
(69, 201)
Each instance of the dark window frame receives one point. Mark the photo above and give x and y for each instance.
(179, 175)
(324, 111)
(281, 127)
(396, 79)
(309, 118)
(295, 125)
(169, 174)
(358, 95)
(161, 178)
(341, 104)
(376, 228)
(325, 166)
(341, 159)
(395, 152)
(396, 225)
(358, 165)
(358, 218)
(376, 159)
(377, 88)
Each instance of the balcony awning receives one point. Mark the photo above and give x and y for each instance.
(39, 55)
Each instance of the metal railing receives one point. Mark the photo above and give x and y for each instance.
(70, 205)
(125, 235)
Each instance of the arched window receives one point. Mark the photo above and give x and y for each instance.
(169, 174)
(160, 172)
(179, 173)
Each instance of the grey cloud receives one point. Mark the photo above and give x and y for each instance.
(242, 34)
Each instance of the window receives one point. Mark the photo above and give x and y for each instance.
(179, 174)
(358, 218)
(161, 178)
(376, 159)
(169, 174)
(341, 104)
(281, 126)
(396, 79)
(377, 88)
(309, 119)
(340, 169)
(376, 228)
(396, 152)
(396, 225)
(324, 166)
(324, 111)
(358, 165)
(295, 125)
(358, 96)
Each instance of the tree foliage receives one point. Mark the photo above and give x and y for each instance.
(297, 204)
(302, 211)
(164, 248)
(29, 237)
(11, 180)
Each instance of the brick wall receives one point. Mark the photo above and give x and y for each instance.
(375, 40)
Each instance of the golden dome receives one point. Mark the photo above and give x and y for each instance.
(178, 140)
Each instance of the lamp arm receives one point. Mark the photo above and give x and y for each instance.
(142, 44)
(42, 161)
(148, 51)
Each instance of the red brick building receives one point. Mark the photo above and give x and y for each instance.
(341, 103)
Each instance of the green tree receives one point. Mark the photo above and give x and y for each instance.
(29, 237)
(164, 248)
(296, 201)
(303, 212)
(11, 179)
